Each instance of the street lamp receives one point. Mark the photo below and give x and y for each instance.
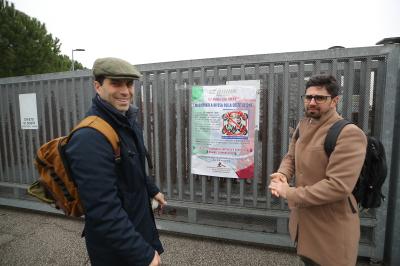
(73, 62)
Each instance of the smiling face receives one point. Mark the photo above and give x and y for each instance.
(117, 92)
(316, 110)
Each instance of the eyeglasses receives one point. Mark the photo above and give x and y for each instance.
(318, 98)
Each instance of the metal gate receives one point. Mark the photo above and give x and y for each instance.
(210, 206)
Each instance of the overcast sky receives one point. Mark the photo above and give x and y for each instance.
(150, 31)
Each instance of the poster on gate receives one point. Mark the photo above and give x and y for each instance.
(223, 122)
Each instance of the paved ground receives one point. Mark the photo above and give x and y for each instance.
(30, 238)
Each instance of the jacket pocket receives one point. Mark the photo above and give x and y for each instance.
(353, 209)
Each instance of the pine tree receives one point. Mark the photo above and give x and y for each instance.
(25, 46)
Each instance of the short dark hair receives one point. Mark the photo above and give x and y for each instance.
(100, 79)
(327, 81)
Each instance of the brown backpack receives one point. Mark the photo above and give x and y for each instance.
(55, 185)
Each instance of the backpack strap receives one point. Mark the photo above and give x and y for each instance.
(103, 127)
(333, 134)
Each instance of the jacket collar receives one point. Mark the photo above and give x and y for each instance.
(112, 114)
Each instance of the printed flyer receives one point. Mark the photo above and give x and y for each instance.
(223, 122)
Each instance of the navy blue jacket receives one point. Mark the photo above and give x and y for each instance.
(119, 224)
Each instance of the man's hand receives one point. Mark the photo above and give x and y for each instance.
(156, 259)
(279, 188)
(159, 197)
(278, 177)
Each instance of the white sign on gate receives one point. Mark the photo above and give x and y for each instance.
(28, 111)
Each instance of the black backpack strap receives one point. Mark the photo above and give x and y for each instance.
(333, 134)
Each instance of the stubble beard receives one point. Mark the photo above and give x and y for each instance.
(313, 113)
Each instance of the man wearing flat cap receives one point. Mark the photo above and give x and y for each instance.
(119, 223)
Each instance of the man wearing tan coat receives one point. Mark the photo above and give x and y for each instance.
(324, 219)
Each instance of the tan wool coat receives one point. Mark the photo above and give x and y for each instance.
(324, 216)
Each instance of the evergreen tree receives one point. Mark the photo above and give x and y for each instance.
(25, 46)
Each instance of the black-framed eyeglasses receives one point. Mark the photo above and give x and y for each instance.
(318, 98)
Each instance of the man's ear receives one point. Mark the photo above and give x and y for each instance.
(97, 86)
(335, 101)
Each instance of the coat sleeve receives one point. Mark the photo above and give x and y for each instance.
(92, 166)
(287, 166)
(342, 172)
(151, 187)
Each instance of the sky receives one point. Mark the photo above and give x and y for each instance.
(151, 31)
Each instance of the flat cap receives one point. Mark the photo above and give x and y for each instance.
(115, 68)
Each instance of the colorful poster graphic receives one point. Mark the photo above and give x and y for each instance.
(257, 84)
(223, 121)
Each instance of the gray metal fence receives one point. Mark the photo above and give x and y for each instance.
(211, 206)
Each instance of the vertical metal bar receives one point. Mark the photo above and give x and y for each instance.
(365, 84)
(191, 184)
(4, 126)
(147, 118)
(285, 108)
(17, 131)
(163, 141)
(285, 117)
(317, 67)
(66, 109)
(138, 99)
(179, 136)
(50, 109)
(36, 131)
(229, 191)
(390, 128)
(270, 129)
(348, 89)
(203, 178)
(81, 98)
(10, 163)
(241, 192)
(41, 118)
(2, 147)
(229, 180)
(86, 88)
(73, 99)
(229, 73)
(141, 99)
(379, 97)
(147, 113)
(241, 181)
(334, 68)
(57, 97)
(30, 148)
(256, 148)
(301, 88)
(216, 179)
(216, 189)
(89, 92)
(216, 76)
(45, 94)
(24, 147)
(168, 132)
(156, 103)
(13, 137)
